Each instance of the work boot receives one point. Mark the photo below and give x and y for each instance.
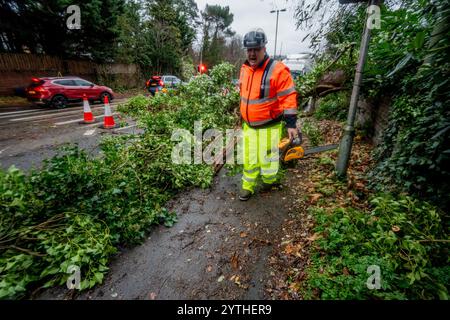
(244, 194)
(266, 187)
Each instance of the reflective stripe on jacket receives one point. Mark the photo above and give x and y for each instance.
(267, 93)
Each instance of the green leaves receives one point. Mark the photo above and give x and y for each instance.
(400, 65)
(333, 106)
(397, 235)
(156, 34)
(419, 40)
(311, 129)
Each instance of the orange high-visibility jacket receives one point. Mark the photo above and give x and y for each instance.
(267, 94)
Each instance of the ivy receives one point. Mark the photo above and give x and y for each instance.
(414, 155)
(408, 62)
(400, 235)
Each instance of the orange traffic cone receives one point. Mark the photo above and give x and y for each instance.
(88, 116)
(108, 119)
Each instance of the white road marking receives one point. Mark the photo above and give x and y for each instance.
(62, 116)
(51, 111)
(27, 113)
(43, 110)
(60, 113)
(66, 112)
(21, 111)
(72, 121)
(89, 132)
(78, 120)
(1, 151)
(52, 115)
(95, 124)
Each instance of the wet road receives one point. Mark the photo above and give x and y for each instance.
(30, 134)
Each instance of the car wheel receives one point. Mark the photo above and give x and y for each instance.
(103, 95)
(59, 102)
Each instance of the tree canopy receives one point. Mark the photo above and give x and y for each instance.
(40, 27)
(158, 35)
(216, 22)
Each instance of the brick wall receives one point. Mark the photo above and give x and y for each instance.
(373, 115)
(381, 119)
(17, 69)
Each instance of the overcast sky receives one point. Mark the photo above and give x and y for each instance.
(249, 14)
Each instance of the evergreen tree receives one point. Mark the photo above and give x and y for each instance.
(216, 30)
(39, 26)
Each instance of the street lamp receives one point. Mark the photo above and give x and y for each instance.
(276, 30)
(345, 146)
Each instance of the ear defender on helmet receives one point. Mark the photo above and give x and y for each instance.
(255, 39)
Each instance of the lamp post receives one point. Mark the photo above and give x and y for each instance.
(345, 147)
(276, 30)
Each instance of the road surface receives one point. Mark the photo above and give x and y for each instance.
(30, 134)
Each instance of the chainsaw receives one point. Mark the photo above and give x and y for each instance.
(291, 149)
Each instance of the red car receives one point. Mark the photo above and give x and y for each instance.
(58, 92)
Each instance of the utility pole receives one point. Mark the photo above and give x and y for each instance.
(345, 147)
(276, 30)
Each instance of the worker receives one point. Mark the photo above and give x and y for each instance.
(268, 100)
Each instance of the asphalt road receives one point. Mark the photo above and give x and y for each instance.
(31, 134)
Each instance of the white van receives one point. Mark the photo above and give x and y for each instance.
(299, 64)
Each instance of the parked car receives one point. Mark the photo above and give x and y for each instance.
(58, 92)
(162, 83)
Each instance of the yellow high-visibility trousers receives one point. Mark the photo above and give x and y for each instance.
(260, 154)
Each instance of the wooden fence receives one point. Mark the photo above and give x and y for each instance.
(16, 70)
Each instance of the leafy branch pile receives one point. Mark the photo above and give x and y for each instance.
(402, 236)
(306, 85)
(78, 209)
